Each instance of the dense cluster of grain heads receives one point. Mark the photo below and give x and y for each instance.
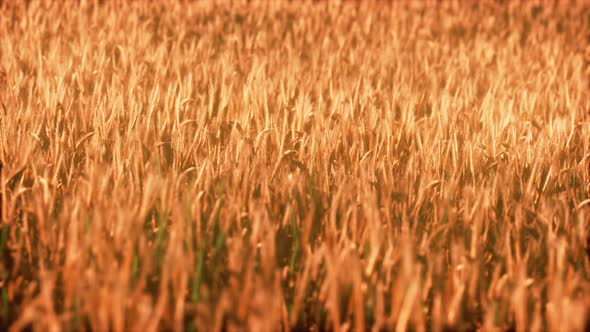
(274, 165)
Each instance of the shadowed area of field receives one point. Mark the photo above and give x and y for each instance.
(274, 165)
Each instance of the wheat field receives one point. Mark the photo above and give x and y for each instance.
(274, 166)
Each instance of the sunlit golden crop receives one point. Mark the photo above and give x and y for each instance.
(273, 165)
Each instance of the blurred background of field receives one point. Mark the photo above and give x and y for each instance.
(275, 165)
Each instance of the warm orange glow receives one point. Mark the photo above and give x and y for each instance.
(276, 165)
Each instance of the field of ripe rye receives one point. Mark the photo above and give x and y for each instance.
(274, 166)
